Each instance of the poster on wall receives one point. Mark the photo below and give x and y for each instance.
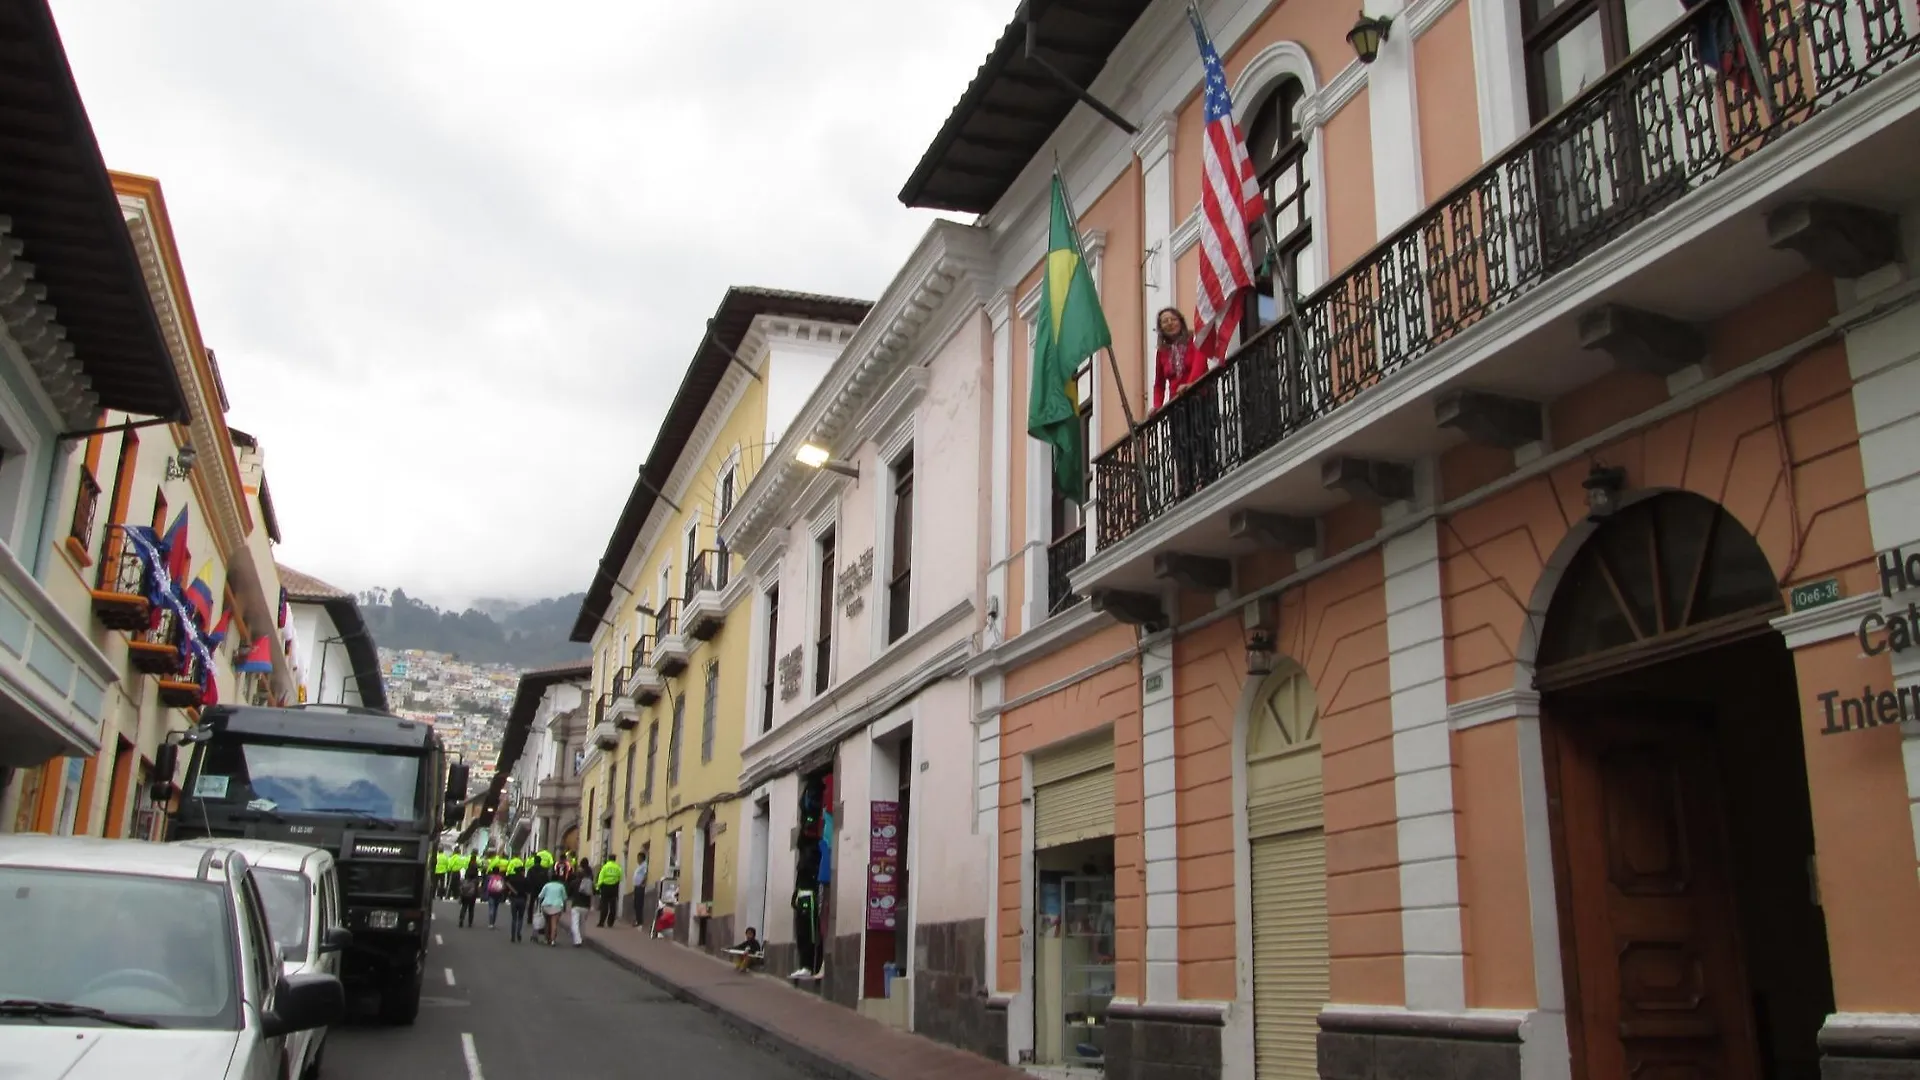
(883, 866)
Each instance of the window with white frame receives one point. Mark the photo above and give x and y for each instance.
(900, 548)
(823, 616)
(771, 662)
(724, 503)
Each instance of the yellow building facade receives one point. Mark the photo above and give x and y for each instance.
(671, 643)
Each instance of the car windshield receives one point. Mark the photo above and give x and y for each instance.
(156, 949)
(286, 895)
(293, 778)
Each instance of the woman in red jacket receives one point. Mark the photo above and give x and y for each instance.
(1178, 363)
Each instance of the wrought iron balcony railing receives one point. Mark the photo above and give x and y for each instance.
(85, 505)
(712, 569)
(637, 659)
(666, 618)
(1064, 556)
(1653, 131)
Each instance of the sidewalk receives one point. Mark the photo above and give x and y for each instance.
(831, 1040)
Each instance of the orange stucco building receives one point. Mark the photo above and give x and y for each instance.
(1499, 664)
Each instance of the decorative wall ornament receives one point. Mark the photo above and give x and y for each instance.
(790, 665)
(854, 580)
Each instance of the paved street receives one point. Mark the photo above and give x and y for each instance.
(527, 1011)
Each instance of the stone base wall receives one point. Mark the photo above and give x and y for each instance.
(996, 1028)
(1870, 1048)
(682, 922)
(720, 935)
(780, 959)
(949, 988)
(1150, 1042)
(1417, 1047)
(842, 984)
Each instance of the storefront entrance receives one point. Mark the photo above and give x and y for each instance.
(1692, 937)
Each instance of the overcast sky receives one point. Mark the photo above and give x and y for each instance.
(454, 257)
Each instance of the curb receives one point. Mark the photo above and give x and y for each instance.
(814, 1061)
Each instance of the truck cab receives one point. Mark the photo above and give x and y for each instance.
(366, 786)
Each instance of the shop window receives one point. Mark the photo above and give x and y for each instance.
(1674, 568)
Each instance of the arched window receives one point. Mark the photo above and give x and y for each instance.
(1675, 568)
(1276, 144)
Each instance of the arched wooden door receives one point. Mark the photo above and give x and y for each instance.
(1288, 858)
(1658, 985)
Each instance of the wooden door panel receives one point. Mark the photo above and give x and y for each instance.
(1663, 991)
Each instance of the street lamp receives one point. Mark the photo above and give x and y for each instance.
(181, 463)
(1367, 35)
(817, 457)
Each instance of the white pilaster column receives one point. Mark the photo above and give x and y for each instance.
(1393, 113)
(1159, 784)
(1884, 359)
(1038, 492)
(1000, 491)
(1423, 773)
(1158, 216)
(990, 692)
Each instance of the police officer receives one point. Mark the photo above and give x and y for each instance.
(607, 884)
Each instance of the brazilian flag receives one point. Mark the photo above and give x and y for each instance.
(1069, 328)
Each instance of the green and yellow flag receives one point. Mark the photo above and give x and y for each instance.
(1069, 328)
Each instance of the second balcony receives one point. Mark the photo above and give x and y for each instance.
(705, 609)
(672, 649)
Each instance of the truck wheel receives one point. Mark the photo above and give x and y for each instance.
(400, 1003)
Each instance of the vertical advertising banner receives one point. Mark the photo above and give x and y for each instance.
(883, 866)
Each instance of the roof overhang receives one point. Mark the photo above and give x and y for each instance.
(1012, 107)
(725, 331)
(59, 205)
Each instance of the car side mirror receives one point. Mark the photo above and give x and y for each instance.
(305, 1002)
(457, 783)
(336, 939)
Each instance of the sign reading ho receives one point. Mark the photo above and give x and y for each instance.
(1878, 633)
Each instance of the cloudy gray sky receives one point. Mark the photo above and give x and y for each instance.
(454, 256)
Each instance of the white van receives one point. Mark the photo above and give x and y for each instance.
(301, 888)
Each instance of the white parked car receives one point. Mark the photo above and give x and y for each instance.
(301, 888)
(121, 958)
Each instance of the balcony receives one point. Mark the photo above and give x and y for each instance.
(1064, 556)
(623, 712)
(644, 685)
(672, 650)
(703, 612)
(180, 688)
(604, 735)
(1665, 195)
(120, 597)
(156, 650)
(86, 505)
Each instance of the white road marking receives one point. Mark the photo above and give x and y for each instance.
(450, 977)
(473, 1057)
(438, 940)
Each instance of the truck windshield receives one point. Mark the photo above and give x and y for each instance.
(302, 778)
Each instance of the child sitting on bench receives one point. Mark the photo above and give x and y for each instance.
(748, 952)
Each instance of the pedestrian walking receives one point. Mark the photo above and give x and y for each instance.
(469, 896)
(496, 892)
(581, 888)
(517, 898)
(639, 899)
(607, 884)
(553, 901)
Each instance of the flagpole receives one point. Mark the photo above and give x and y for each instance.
(1750, 50)
(1271, 219)
(1113, 362)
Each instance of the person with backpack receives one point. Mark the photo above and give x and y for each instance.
(496, 892)
(581, 889)
(469, 896)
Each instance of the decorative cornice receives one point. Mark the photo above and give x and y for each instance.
(1155, 140)
(1827, 622)
(1422, 14)
(1340, 90)
(948, 661)
(31, 322)
(1057, 632)
(903, 393)
(1505, 705)
(949, 266)
(1000, 309)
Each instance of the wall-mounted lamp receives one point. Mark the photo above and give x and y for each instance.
(1261, 634)
(181, 463)
(1367, 35)
(817, 457)
(1603, 484)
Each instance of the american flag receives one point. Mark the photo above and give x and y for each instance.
(1230, 201)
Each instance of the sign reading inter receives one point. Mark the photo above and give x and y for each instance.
(1880, 633)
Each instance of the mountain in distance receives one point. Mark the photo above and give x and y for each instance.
(519, 635)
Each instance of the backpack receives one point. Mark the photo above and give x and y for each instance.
(470, 889)
(496, 885)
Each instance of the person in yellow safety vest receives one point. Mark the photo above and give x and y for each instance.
(546, 859)
(440, 874)
(515, 864)
(607, 884)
